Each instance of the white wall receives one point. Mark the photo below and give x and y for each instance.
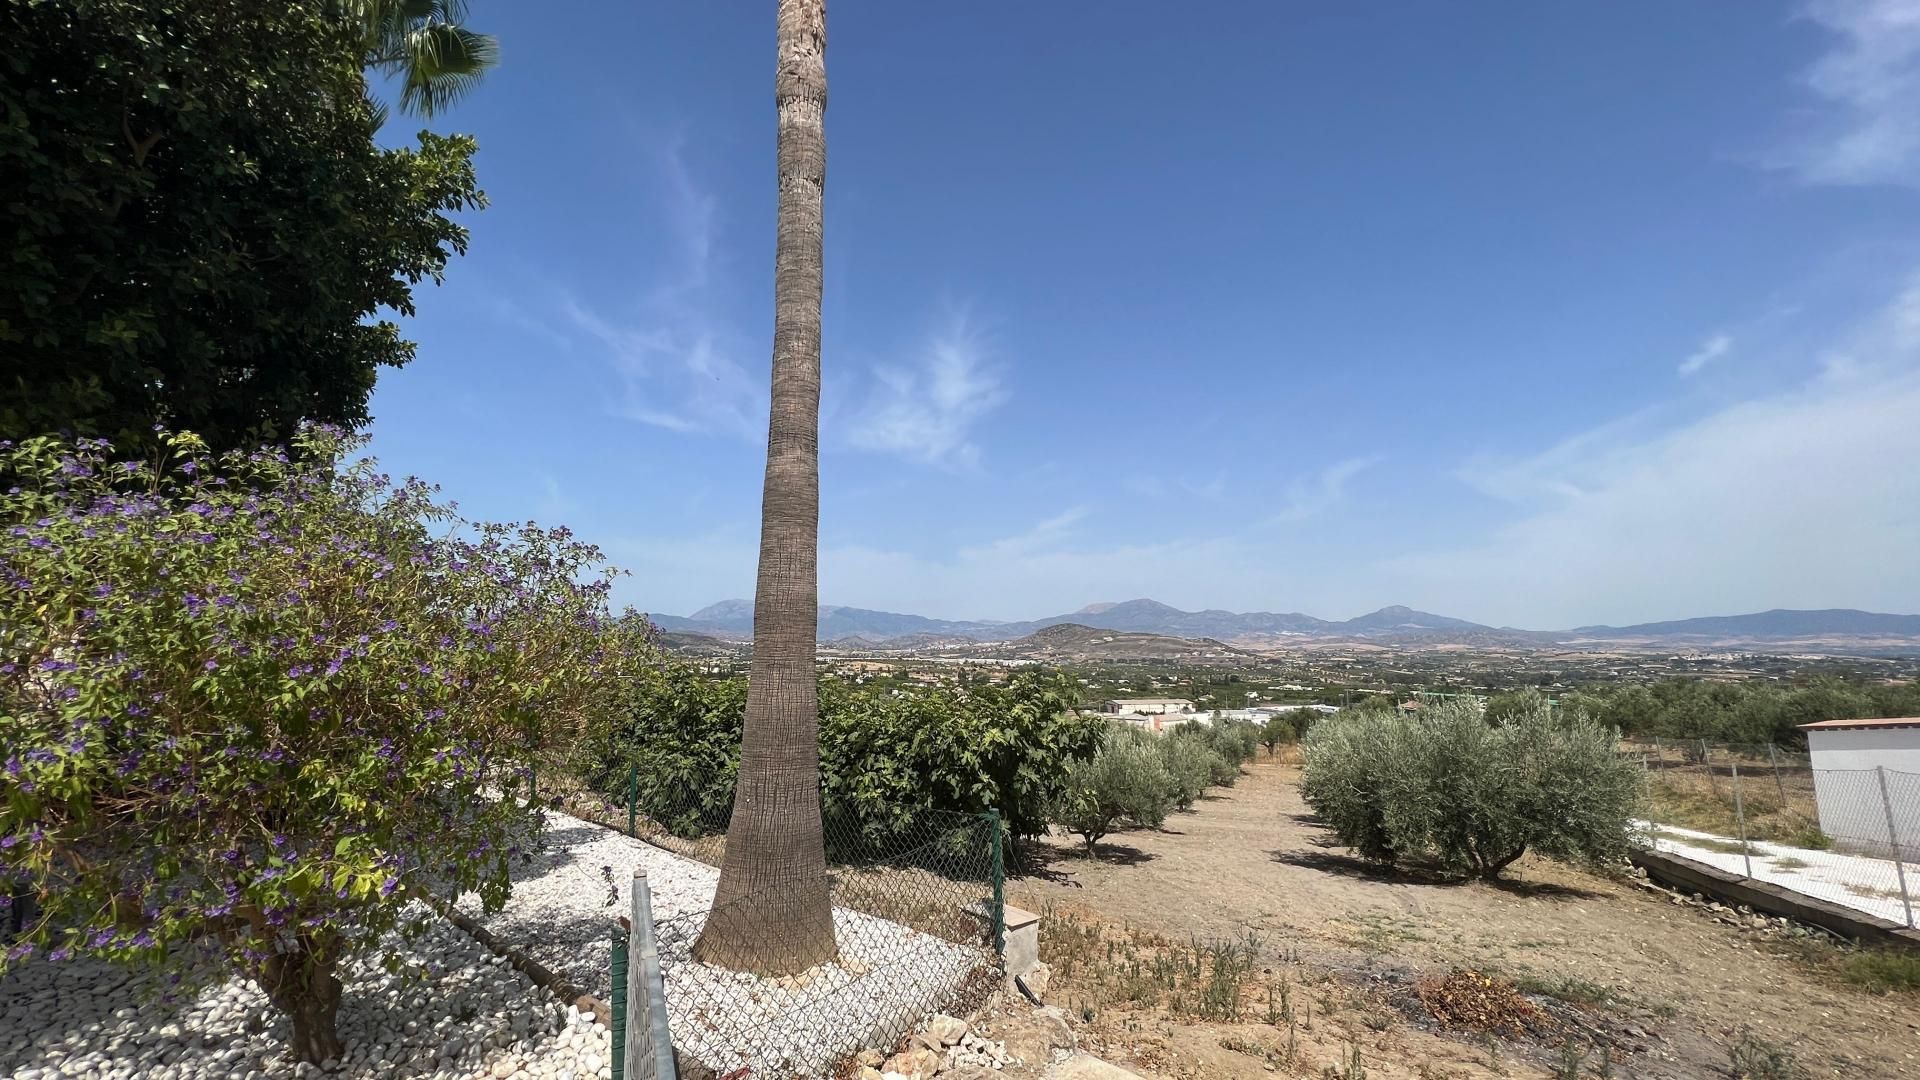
(1847, 786)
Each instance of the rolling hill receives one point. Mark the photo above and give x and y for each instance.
(733, 620)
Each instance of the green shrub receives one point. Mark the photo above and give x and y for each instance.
(1449, 787)
(248, 704)
(1126, 780)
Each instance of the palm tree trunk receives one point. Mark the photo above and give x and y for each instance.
(772, 912)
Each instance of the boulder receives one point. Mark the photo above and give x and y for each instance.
(919, 1063)
(945, 1030)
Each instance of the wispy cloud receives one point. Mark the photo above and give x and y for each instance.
(1867, 130)
(1798, 498)
(1710, 350)
(1311, 496)
(674, 353)
(925, 411)
(1045, 535)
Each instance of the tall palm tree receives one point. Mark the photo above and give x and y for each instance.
(427, 44)
(772, 913)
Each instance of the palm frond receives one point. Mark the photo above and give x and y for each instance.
(438, 60)
(436, 50)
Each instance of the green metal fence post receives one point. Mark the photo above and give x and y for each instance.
(619, 1005)
(633, 797)
(999, 886)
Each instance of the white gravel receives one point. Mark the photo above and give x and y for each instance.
(889, 977)
(456, 1011)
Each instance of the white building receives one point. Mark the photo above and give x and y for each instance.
(1157, 722)
(1147, 705)
(1866, 780)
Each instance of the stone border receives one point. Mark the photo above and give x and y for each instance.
(1684, 873)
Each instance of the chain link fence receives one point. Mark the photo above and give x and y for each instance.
(918, 918)
(1847, 836)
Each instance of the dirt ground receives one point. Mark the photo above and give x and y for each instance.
(1668, 986)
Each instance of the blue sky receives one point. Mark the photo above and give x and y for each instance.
(1538, 315)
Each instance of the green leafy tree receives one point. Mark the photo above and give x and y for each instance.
(1126, 780)
(1448, 787)
(1278, 731)
(887, 758)
(248, 704)
(1192, 764)
(1506, 707)
(201, 232)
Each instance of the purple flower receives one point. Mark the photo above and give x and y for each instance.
(212, 665)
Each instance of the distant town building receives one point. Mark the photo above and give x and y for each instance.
(1147, 706)
(1158, 722)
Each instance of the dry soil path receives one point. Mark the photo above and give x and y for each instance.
(1253, 857)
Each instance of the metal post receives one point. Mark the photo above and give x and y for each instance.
(999, 886)
(1706, 759)
(619, 1006)
(1893, 840)
(1779, 785)
(649, 1046)
(1740, 816)
(633, 796)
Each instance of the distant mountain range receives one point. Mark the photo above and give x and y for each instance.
(733, 619)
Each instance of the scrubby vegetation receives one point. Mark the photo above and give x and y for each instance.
(1450, 788)
(1883, 971)
(1737, 712)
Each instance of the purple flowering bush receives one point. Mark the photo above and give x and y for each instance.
(248, 704)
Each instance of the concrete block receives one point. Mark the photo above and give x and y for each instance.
(1023, 940)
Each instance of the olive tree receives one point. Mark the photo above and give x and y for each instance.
(1125, 780)
(1191, 764)
(248, 704)
(1469, 796)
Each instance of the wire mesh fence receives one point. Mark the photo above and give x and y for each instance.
(1847, 836)
(917, 916)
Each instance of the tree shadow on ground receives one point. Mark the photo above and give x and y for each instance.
(1055, 862)
(1329, 861)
